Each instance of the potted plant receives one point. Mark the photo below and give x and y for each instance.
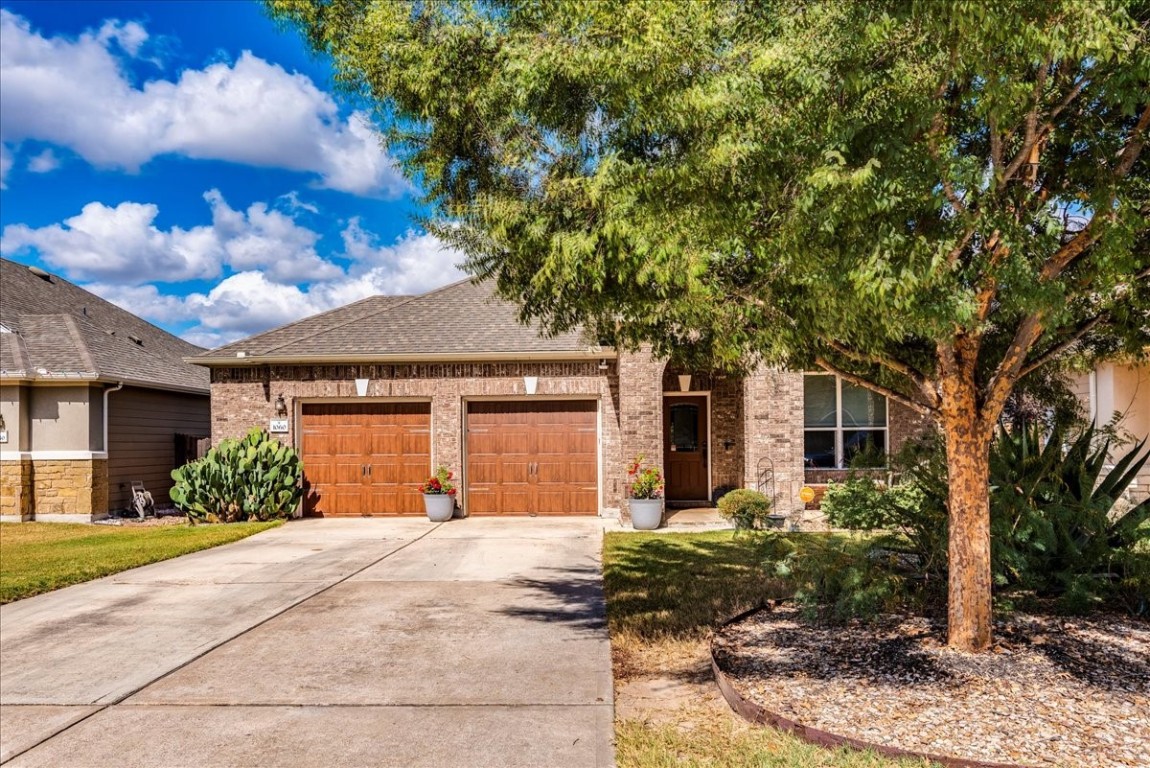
(645, 491)
(439, 495)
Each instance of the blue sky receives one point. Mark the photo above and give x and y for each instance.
(192, 162)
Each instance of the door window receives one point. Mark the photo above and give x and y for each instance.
(684, 427)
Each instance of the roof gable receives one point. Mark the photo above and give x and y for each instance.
(59, 330)
(461, 320)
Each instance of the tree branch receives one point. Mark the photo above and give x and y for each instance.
(920, 380)
(1134, 145)
(830, 367)
(1064, 345)
(1031, 135)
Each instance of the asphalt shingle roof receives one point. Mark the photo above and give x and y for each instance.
(460, 319)
(59, 330)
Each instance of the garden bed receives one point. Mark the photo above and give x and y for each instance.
(1053, 691)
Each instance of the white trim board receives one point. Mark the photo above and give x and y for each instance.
(54, 455)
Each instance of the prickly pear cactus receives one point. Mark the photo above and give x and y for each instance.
(256, 478)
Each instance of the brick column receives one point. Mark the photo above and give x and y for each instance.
(773, 404)
(640, 414)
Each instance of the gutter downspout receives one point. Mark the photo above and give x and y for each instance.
(107, 392)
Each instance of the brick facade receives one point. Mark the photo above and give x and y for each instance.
(245, 397)
(773, 439)
(756, 427)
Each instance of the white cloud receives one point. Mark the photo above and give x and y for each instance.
(268, 239)
(123, 245)
(119, 244)
(5, 165)
(45, 162)
(77, 94)
(415, 263)
(248, 303)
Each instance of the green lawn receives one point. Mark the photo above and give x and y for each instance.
(665, 593)
(41, 557)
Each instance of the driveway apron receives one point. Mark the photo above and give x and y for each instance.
(389, 642)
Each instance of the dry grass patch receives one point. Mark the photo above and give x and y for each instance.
(41, 557)
(665, 595)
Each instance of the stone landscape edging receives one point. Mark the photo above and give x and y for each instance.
(757, 714)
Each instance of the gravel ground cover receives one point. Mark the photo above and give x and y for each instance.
(1053, 691)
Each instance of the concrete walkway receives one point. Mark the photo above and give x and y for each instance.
(323, 643)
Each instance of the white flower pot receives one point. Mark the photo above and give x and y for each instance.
(440, 506)
(646, 514)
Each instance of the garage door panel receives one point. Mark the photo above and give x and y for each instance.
(340, 439)
(538, 457)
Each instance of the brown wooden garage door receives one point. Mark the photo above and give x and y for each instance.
(532, 458)
(365, 458)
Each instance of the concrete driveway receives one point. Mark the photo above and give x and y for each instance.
(362, 642)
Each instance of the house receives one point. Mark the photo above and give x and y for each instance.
(92, 398)
(377, 393)
(1120, 389)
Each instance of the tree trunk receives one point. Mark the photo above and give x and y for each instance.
(969, 576)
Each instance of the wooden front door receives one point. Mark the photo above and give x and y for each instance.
(532, 458)
(364, 458)
(685, 448)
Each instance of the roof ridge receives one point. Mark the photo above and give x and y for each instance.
(297, 322)
(329, 328)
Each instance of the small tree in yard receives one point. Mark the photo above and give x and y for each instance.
(933, 199)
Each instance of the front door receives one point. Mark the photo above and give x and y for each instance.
(685, 448)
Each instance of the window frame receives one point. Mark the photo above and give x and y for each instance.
(838, 427)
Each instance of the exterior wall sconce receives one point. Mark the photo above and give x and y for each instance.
(281, 407)
(603, 364)
(685, 382)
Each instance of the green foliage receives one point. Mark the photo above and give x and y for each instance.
(439, 483)
(643, 483)
(839, 579)
(40, 557)
(747, 508)
(256, 478)
(1059, 526)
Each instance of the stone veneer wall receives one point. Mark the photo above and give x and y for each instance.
(64, 487)
(16, 488)
(773, 404)
(245, 397)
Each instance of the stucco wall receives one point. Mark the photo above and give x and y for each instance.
(65, 418)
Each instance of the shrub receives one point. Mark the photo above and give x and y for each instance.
(256, 478)
(1056, 528)
(838, 579)
(748, 509)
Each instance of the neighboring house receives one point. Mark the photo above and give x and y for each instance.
(377, 393)
(1117, 389)
(92, 398)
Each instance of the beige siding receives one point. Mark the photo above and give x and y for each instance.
(142, 424)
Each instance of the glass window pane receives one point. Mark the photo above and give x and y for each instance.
(819, 401)
(684, 427)
(864, 448)
(819, 448)
(862, 407)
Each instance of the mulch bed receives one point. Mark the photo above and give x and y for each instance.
(1053, 691)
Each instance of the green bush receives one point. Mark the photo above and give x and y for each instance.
(256, 478)
(748, 509)
(838, 579)
(1057, 531)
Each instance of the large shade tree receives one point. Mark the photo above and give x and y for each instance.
(936, 199)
